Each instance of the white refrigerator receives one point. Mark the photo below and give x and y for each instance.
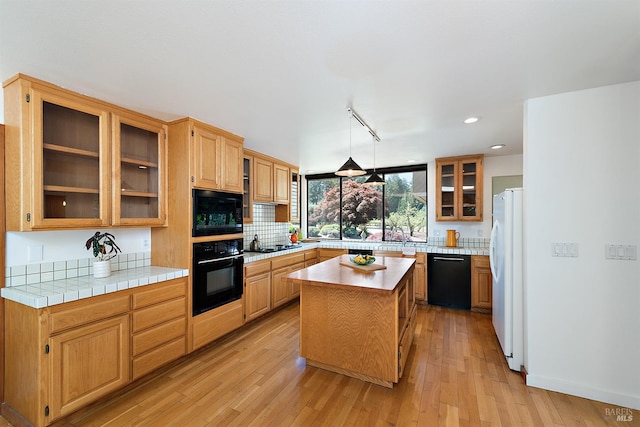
(505, 255)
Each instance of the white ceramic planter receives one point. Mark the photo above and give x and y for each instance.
(101, 269)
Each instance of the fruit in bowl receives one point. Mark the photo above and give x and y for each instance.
(363, 259)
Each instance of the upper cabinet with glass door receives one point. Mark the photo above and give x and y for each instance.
(459, 188)
(58, 165)
(138, 180)
(56, 158)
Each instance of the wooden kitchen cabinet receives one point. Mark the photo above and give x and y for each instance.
(310, 257)
(281, 184)
(213, 324)
(159, 326)
(57, 158)
(419, 274)
(294, 196)
(60, 358)
(88, 362)
(63, 357)
(218, 159)
(139, 178)
(328, 253)
(262, 180)
(459, 188)
(481, 284)
(283, 291)
(290, 212)
(257, 289)
(66, 165)
(247, 190)
(271, 182)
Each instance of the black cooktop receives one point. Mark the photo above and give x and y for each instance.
(276, 248)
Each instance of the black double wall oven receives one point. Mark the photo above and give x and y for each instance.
(217, 264)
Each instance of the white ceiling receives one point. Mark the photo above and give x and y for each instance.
(282, 73)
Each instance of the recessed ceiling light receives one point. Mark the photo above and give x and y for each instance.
(497, 146)
(470, 120)
(411, 161)
(310, 171)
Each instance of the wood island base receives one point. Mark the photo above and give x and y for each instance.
(354, 323)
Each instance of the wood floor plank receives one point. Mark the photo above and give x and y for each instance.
(456, 375)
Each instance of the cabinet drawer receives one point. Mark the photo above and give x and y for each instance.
(311, 255)
(159, 293)
(87, 312)
(159, 357)
(157, 314)
(406, 340)
(153, 337)
(216, 323)
(255, 268)
(284, 261)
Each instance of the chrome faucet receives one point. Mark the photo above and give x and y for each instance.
(404, 238)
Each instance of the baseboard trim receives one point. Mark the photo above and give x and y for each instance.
(580, 390)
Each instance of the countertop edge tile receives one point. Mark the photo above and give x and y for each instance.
(250, 257)
(56, 292)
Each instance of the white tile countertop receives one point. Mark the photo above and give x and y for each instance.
(44, 294)
(376, 246)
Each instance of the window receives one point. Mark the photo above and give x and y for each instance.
(344, 208)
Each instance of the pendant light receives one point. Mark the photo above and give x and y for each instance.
(350, 168)
(374, 179)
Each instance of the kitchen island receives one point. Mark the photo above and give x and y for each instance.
(357, 323)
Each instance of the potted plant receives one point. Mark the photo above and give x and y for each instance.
(104, 248)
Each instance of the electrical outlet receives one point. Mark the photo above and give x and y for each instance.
(622, 252)
(145, 244)
(564, 250)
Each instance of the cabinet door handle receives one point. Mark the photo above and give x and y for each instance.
(438, 258)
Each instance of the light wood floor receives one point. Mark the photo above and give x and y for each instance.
(456, 376)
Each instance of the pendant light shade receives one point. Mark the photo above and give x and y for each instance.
(374, 179)
(350, 168)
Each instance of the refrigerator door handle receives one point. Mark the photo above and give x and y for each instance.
(493, 249)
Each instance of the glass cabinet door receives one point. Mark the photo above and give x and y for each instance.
(138, 181)
(247, 201)
(294, 204)
(70, 148)
(459, 188)
(469, 189)
(447, 190)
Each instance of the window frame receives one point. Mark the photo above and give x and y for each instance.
(380, 171)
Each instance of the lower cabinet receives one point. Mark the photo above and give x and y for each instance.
(328, 253)
(63, 357)
(215, 323)
(419, 275)
(88, 362)
(257, 289)
(159, 323)
(264, 284)
(281, 290)
(310, 258)
(481, 284)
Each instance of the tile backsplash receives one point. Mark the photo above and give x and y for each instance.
(264, 224)
(44, 272)
(465, 242)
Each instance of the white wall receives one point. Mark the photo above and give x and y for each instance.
(582, 185)
(493, 166)
(68, 245)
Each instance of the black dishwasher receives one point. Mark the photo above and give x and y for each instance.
(449, 280)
